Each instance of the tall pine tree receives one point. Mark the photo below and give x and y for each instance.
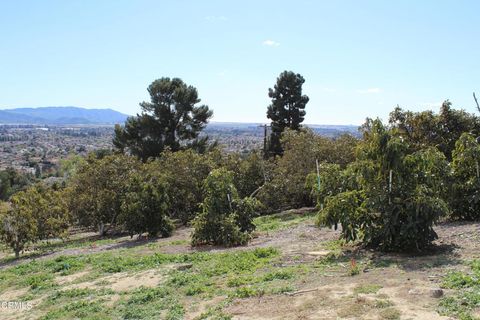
(287, 109)
(171, 119)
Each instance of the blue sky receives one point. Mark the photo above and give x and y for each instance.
(359, 58)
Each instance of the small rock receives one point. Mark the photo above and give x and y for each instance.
(436, 293)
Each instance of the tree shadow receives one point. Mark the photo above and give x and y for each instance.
(436, 256)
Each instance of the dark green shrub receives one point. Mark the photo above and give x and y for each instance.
(465, 197)
(224, 219)
(146, 206)
(398, 197)
(184, 173)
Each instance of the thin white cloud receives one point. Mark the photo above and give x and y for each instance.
(216, 18)
(369, 91)
(270, 43)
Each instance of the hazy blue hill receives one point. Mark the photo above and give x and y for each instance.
(61, 116)
(7, 117)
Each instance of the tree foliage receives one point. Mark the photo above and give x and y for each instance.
(171, 119)
(146, 205)
(249, 171)
(398, 197)
(465, 197)
(34, 214)
(286, 185)
(287, 109)
(97, 190)
(184, 172)
(442, 130)
(12, 181)
(225, 219)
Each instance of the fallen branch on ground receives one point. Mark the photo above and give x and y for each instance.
(300, 292)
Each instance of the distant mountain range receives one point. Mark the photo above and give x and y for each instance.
(82, 116)
(61, 116)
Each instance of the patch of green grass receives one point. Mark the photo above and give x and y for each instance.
(278, 275)
(65, 265)
(81, 309)
(178, 242)
(390, 314)
(461, 304)
(333, 245)
(239, 281)
(77, 293)
(367, 289)
(281, 220)
(248, 291)
(283, 289)
(39, 281)
(466, 297)
(233, 274)
(382, 303)
(175, 312)
(459, 280)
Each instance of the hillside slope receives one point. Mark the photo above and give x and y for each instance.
(61, 116)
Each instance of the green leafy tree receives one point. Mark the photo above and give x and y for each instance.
(50, 210)
(397, 200)
(249, 171)
(97, 190)
(69, 165)
(18, 225)
(12, 181)
(465, 197)
(287, 109)
(171, 119)
(442, 130)
(184, 172)
(34, 214)
(145, 207)
(330, 183)
(286, 187)
(224, 219)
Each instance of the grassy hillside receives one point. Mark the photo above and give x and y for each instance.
(291, 270)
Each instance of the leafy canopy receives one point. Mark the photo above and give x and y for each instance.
(225, 219)
(394, 201)
(171, 119)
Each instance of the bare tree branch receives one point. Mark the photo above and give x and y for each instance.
(476, 101)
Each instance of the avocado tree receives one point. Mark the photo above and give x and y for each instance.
(34, 214)
(397, 200)
(97, 190)
(225, 219)
(465, 197)
(146, 205)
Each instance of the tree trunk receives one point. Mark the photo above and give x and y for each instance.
(101, 229)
